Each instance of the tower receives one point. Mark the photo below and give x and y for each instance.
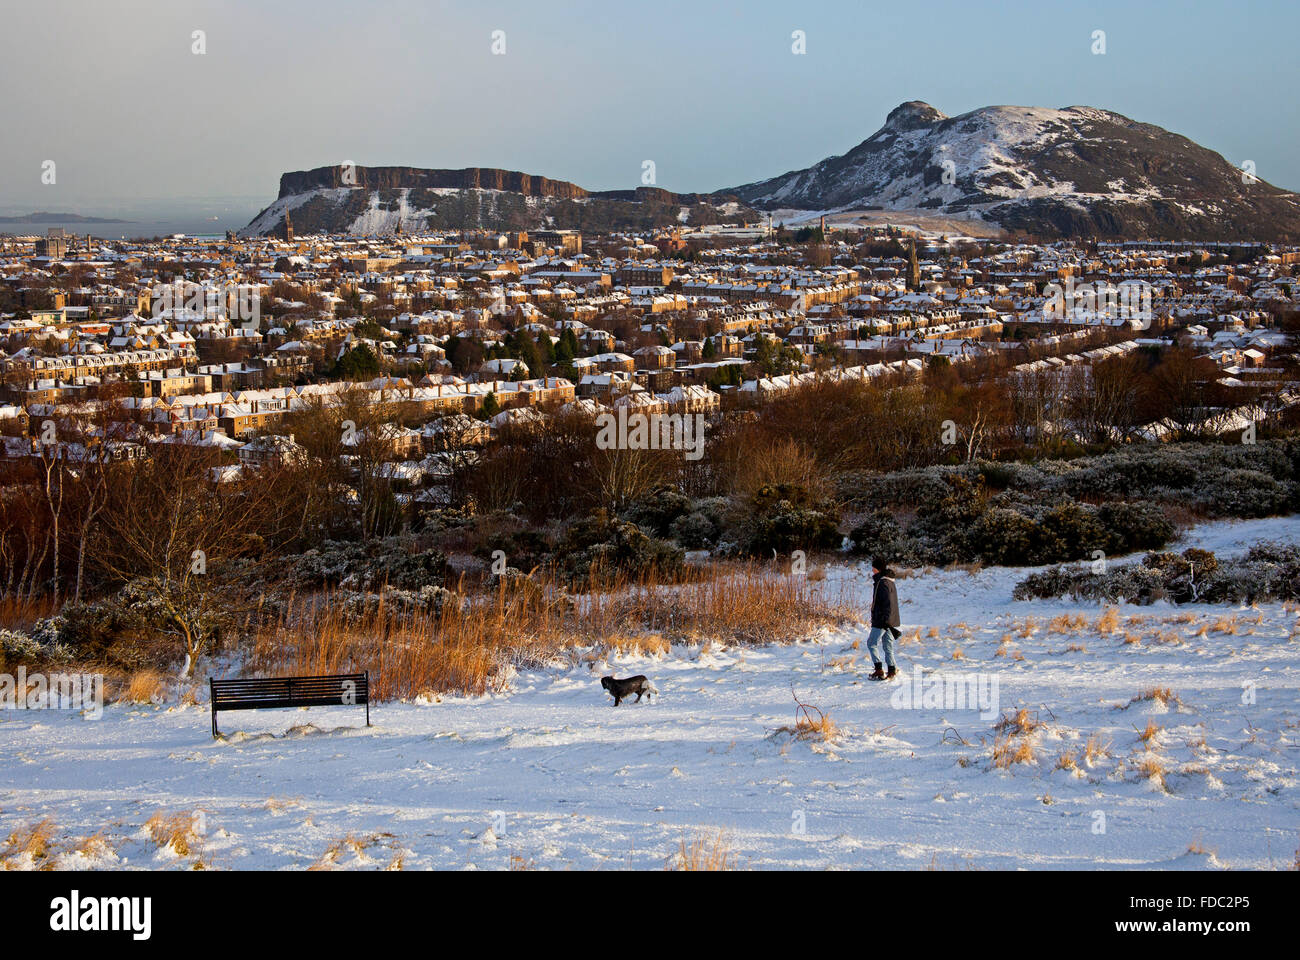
(286, 229)
(913, 269)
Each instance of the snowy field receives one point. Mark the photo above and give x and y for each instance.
(549, 775)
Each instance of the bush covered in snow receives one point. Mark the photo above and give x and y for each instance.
(1215, 479)
(1267, 572)
(430, 599)
(18, 647)
(393, 561)
(604, 543)
(785, 517)
(968, 525)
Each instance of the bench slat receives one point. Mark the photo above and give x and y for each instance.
(350, 689)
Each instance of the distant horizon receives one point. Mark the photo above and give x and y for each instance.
(212, 103)
(131, 210)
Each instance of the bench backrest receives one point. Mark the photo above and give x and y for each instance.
(350, 689)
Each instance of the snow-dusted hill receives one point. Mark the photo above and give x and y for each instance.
(1076, 171)
(548, 772)
(375, 201)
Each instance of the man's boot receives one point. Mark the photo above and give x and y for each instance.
(879, 674)
(893, 672)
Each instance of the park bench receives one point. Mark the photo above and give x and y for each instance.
(349, 689)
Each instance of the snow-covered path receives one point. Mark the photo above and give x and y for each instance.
(551, 774)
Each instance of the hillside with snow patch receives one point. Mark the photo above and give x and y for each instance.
(1078, 171)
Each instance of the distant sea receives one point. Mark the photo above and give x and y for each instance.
(119, 229)
(201, 219)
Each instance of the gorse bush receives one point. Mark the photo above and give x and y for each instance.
(18, 647)
(600, 544)
(428, 599)
(656, 511)
(968, 524)
(785, 517)
(394, 561)
(696, 530)
(1267, 572)
(1214, 479)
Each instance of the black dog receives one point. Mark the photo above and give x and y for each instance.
(625, 688)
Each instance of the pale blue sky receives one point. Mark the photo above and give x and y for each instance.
(586, 91)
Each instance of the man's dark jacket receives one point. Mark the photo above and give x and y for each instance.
(884, 601)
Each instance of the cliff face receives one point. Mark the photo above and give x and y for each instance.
(378, 200)
(396, 178)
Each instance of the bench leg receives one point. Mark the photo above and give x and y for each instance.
(367, 711)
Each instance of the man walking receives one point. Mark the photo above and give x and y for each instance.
(884, 619)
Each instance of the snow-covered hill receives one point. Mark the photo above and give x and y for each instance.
(1076, 171)
(551, 774)
(369, 201)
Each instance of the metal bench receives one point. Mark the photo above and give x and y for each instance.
(349, 689)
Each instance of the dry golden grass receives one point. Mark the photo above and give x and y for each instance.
(651, 644)
(810, 723)
(94, 846)
(31, 846)
(1067, 761)
(1008, 752)
(1150, 768)
(704, 853)
(464, 648)
(1075, 648)
(1029, 627)
(1108, 622)
(958, 653)
(1163, 695)
(1065, 623)
(1011, 741)
(23, 614)
(1019, 723)
(1225, 625)
(933, 633)
(330, 857)
(1132, 639)
(144, 686)
(174, 831)
(1149, 733)
(358, 845)
(1093, 749)
(910, 638)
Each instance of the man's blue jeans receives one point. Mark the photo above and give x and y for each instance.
(874, 637)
